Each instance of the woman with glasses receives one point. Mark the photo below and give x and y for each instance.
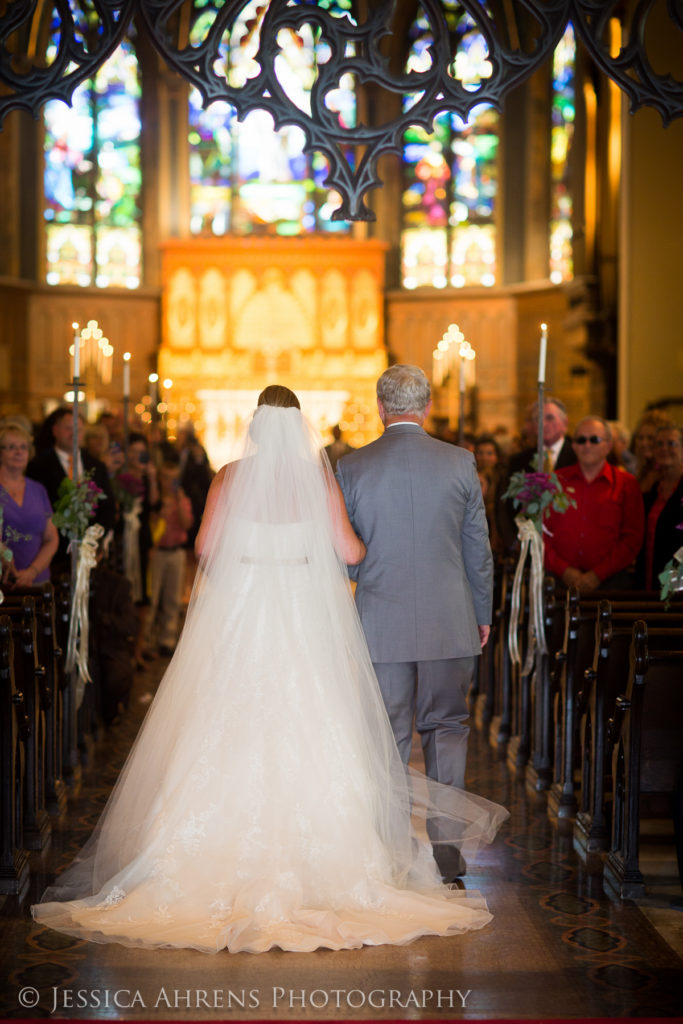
(663, 507)
(27, 527)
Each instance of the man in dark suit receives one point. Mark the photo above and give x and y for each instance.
(51, 465)
(424, 590)
(559, 452)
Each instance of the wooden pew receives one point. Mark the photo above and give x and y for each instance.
(14, 870)
(603, 682)
(50, 656)
(575, 658)
(29, 677)
(539, 773)
(645, 734)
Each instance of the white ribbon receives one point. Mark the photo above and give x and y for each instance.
(530, 542)
(131, 548)
(77, 649)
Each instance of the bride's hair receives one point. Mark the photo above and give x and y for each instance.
(279, 396)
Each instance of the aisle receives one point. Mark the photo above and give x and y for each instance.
(557, 946)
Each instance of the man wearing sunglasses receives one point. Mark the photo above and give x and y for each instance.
(595, 544)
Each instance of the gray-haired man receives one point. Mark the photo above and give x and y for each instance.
(424, 590)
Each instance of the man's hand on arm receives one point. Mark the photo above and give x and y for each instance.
(484, 633)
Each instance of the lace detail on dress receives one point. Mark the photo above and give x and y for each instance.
(114, 896)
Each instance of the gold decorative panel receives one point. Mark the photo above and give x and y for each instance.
(239, 314)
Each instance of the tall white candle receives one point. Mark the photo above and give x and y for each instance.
(77, 352)
(126, 374)
(462, 373)
(542, 353)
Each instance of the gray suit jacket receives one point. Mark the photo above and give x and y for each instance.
(426, 581)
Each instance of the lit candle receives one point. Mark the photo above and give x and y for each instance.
(77, 352)
(542, 354)
(154, 389)
(126, 374)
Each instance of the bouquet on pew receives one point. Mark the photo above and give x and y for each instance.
(671, 576)
(75, 507)
(534, 493)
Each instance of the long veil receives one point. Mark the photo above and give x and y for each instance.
(265, 780)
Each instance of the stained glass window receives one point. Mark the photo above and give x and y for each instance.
(92, 177)
(451, 173)
(561, 139)
(246, 177)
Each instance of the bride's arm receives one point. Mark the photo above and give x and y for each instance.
(349, 545)
(212, 498)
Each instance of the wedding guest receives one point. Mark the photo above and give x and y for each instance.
(642, 446)
(195, 475)
(28, 530)
(170, 524)
(559, 452)
(337, 447)
(621, 455)
(53, 464)
(96, 441)
(490, 468)
(595, 544)
(663, 508)
(138, 481)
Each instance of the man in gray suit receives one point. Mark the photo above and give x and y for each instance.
(424, 592)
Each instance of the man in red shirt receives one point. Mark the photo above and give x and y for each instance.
(594, 544)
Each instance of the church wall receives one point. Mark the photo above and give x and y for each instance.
(651, 303)
(503, 327)
(36, 332)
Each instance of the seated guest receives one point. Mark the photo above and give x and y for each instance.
(663, 508)
(28, 530)
(54, 463)
(594, 544)
(642, 446)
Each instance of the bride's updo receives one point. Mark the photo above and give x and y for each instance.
(279, 396)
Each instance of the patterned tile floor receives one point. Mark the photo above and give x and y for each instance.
(558, 946)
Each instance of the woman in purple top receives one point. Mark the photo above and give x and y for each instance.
(27, 527)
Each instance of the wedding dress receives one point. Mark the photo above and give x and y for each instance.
(264, 802)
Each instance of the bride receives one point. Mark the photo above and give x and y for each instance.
(264, 802)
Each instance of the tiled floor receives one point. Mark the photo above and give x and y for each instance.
(557, 948)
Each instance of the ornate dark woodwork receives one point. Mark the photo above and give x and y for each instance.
(521, 37)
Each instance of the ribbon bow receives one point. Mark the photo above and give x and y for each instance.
(530, 542)
(131, 548)
(77, 649)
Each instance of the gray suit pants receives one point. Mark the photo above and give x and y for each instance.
(433, 694)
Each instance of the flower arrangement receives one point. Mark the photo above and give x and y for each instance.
(535, 493)
(671, 576)
(75, 507)
(7, 535)
(127, 490)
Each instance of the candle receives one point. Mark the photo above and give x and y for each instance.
(77, 352)
(462, 372)
(542, 354)
(126, 374)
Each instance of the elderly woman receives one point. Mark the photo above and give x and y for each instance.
(663, 507)
(28, 530)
